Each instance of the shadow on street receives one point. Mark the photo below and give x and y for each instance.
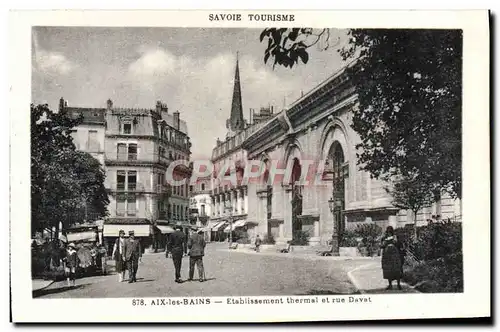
(43, 292)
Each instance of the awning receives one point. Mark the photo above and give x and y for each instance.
(139, 230)
(218, 227)
(81, 236)
(165, 229)
(236, 224)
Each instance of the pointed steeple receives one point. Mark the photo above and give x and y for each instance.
(236, 122)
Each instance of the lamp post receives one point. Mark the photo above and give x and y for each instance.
(228, 207)
(333, 204)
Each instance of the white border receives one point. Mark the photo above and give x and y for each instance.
(476, 201)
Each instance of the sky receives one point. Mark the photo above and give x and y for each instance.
(189, 69)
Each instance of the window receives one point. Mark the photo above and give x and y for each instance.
(127, 128)
(93, 142)
(132, 152)
(120, 180)
(122, 151)
(202, 186)
(121, 204)
(191, 188)
(131, 208)
(202, 210)
(132, 180)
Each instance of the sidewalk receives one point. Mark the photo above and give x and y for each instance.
(38, 284)
(367, 278)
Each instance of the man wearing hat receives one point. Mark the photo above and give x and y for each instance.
(70, 264)
(119, 255)
(176, 247)
(133, 254)
(196, 245)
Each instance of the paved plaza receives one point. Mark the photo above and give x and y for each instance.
(234, 273)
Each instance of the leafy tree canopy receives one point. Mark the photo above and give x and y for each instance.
(409, 88)
(63, 180)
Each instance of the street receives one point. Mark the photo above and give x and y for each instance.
(228, 273)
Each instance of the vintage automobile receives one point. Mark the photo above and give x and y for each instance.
(91, 255)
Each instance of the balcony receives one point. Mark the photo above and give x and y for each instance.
(127, 213)
(123, 187)
(137, 158)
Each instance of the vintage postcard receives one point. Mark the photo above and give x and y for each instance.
(249, 166)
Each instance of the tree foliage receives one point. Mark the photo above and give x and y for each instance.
(63, 180)
(409, 88)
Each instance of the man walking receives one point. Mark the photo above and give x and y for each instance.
(133, 254)
(176, 247)
(196, 245)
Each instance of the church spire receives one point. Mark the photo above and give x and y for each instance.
(236, 122)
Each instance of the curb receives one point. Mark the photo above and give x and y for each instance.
(41, 288)
(354, 281)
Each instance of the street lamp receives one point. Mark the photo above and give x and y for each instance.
(334, 204)
(229, 208)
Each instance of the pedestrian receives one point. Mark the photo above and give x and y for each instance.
(70, 264)
(258, 242)
(196, 245)
(391, 257)
(133, 254)
(176, 248)
(119, 255)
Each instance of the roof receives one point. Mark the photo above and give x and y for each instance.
(94, 115)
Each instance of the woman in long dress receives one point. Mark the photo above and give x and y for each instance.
(391, 257)
(119, 254)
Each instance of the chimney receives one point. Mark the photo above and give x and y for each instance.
(272, 109)
(61, 104)
(177, 120)
(109, 104)
(158, 106)
(65, 103)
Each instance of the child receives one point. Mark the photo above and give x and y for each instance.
(71, 262)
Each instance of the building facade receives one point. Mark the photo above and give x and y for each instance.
(317, 128)
(135, 147)
(228, 199)
(201, 201)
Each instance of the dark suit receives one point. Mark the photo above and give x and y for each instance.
(132, 253)
(196, 244)
(176, 247)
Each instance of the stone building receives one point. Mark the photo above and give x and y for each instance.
(135, 147)
(317, 128)
(230, 200)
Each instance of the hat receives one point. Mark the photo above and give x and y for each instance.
(131, 233)
(71, 245)
(178, 227)
(121, 232)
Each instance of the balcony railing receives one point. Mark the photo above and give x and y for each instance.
(139, 157)
(127, 212)
(123, 187)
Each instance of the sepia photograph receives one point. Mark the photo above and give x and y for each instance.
(204, 166)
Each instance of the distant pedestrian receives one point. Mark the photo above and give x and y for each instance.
(70, 264)
(391, 257)
(176, 247)
(196, 245)
(258, 242)
(119, 256)
(133, 254)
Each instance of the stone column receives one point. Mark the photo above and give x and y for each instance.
(238, 200)
(287, 213)
(245, 199)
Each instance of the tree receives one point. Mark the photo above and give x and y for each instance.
(412, 193)
(409, 90)
(63, 180)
